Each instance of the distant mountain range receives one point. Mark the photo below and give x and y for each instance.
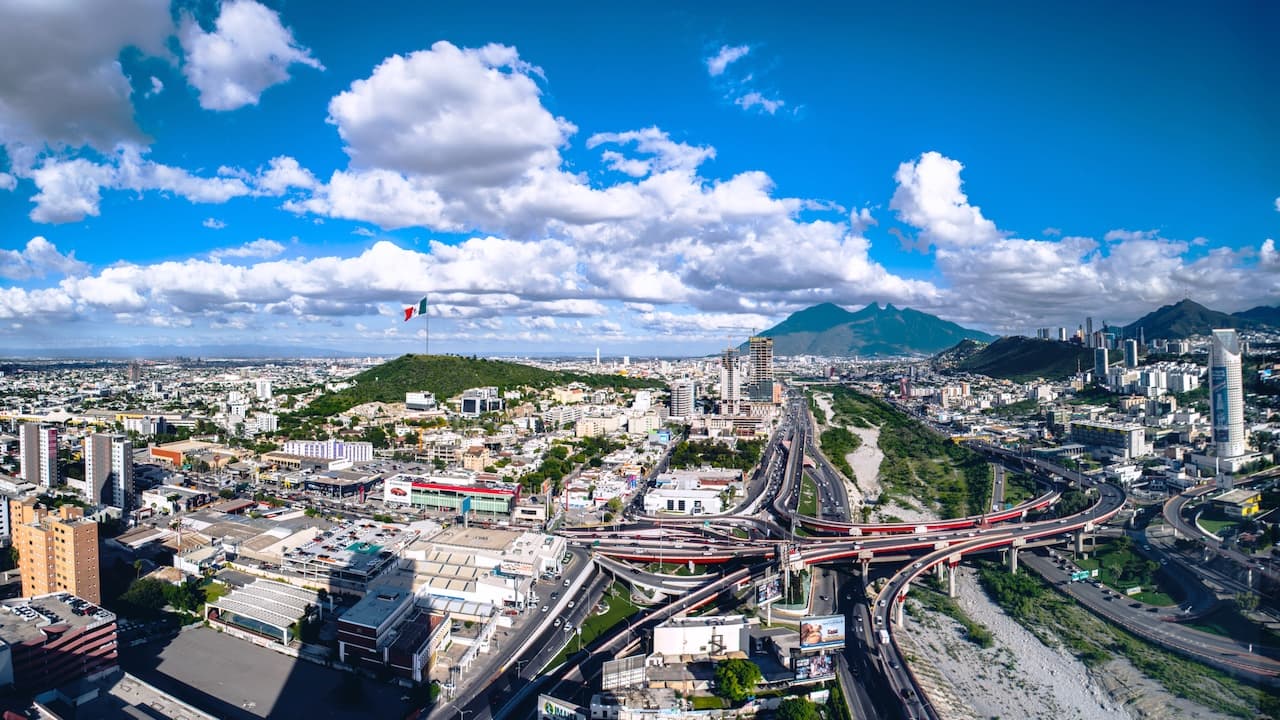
(829, 329)
(1018, 358)
(1187, 317)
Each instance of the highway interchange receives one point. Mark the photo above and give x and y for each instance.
(885, 686)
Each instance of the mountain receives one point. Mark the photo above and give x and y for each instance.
(958, 353)
(1187, 317)
(1021, 358)
(829, 329)
(448, 375)
(1269, 316)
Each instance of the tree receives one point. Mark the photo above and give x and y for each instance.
(145, 597)
(797, 709)
(226, 493)
(736, 679)
(614, 504)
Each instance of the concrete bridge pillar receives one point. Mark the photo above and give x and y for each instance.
(866, 567)
(1080, 543)
(1013, 561)
(938, 570)
(951, 584)
(897, 611)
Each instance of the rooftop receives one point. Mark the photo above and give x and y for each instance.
(270, 602)
(25, 620)
(491, 539)
(357, 545)
(375, 607)
(1237, 497)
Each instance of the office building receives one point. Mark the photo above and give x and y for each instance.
(1126, 439)
(355, 451)
(108, 470)
(38, 455)
(1088, 331)
(481, 400)
(1062, 334)
(262, 386)
(729, 381)
(1100, 365)
(419, 401)
(760, 387)
(55, 552)
(1131, 354)
(683, 397)
(1226, 394)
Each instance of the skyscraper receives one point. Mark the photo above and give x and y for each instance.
(1131, 354)
(55, 552)
(729, 380)
(1226, 394)
(683, 397)
(1100, 365)
(760, 388)
(262, 386)
(108, 470)
(38, 454)
(1088, 331)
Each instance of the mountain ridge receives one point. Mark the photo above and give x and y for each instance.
(829, 329)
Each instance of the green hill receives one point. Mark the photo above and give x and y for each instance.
(1187, 317)
(1022, 358)
(448, 375)
(958, 353)
(829, 329)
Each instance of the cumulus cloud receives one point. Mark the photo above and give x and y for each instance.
(61, 83)
(157, 87)
(69, 190)
(7, 181)
(38, 259)
(929, 198)
(260, 248)
(716, 64)
(213, 223)
(283, 174)
(248, 51)
(664, 153)
(1278, 204)
(754, 99)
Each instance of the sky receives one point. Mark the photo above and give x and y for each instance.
(652, 180)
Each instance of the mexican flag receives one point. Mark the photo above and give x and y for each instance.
(414, 311)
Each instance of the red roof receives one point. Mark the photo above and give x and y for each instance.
(468, 489)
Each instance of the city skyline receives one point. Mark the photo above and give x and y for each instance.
(256, 174)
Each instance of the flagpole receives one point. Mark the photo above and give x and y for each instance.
(426, 335)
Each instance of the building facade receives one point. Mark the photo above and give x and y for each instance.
(683, 397)
(1100, 365)
(760, 386)
(1226, 394)
(55, 552)
(357, 451)
(38, 455)
(108, 470)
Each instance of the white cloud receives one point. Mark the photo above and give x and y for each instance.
(38, 259)
(929, 198)
(61, 83)
(68, 190)
(248, 51)
(665, 153)
(260, 248)
(755, 99)
(213, 223)
(471, 116)
(1278, 204)
(7, 181)
(364, 232)
(717, 63)
(282, 175)
(157, 87)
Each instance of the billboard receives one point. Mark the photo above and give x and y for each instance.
(551, 708)
(815, 667)
(822, 631)
(768, 590)
(623, 673)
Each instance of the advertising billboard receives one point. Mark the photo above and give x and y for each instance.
(768, 590)
(816, 667)
(551, 708)
(397, 491)
(821, 632)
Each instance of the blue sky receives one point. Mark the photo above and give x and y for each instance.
(648, 182)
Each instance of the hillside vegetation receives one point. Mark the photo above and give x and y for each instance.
(448, 375)
(919, 464)
(1021, 359)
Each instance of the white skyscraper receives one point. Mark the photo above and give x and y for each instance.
(730, 380)
(1226, 394)
(263, 388)
(683, 398)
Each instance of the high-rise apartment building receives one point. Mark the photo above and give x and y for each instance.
(108, 470)
(262, 386)
(1131, 354)
(1088, 331)
(56, 552)
(760, 386)
(729, 380)
(38, 454)
(1100, 365)
(683, 397)
(1226, 394)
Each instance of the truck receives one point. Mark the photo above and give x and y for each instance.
(884, 636)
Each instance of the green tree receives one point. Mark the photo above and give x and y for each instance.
(736, 679)
(226, 493)
(797, 709)
(614, 504)
(145, 598)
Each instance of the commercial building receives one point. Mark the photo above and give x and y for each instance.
(701, 492)
(419, 401)
(730, 381)
(1240, 503)
(356, 451)
(387, 628)
(683, 397)
(265, 609)
(55, 552)
(478, 401)
(760, 385)
(1226, 394)
(173, 498)
(1125, 439)
(38, 454)
(108, 471)
(708, 636)
(1131, 354)
(449, 491)
(1100, 365)
(54, 639)
(350, 556)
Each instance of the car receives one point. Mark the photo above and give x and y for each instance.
(1135, 605)
(917, 564)
(571, 604)
(566, 582)
(881, 603)
(635, 571)
(555, 594)
(823, 598)
(556, 623)
(544, 608)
